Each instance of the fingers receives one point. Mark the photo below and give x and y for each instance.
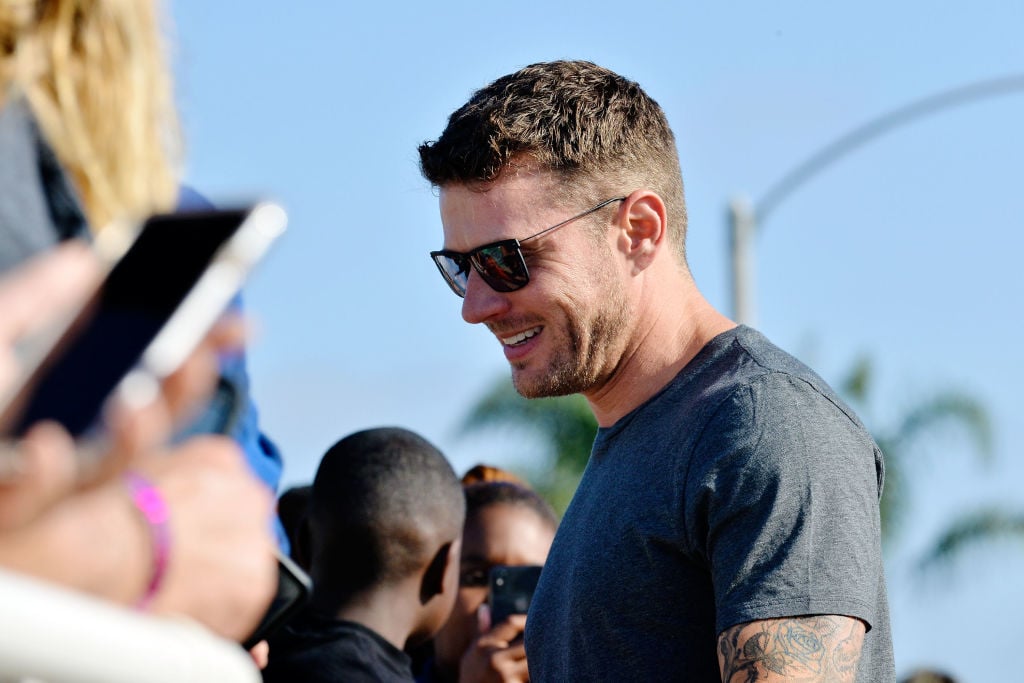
(186, 388)
(40, 470)
(143, 413)
(485, 663)
(260, 654)
(507, 631)
(498, 655)
(40, 295)
(222, 569)
(51, 283)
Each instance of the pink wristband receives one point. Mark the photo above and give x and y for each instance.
(151, 504)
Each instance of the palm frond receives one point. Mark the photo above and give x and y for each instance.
(980, 526)
(945, 410)
(937, 413)
(856, 385)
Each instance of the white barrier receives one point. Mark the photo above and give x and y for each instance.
(51, 634)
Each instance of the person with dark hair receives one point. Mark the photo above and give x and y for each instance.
(507, 523)
(727, 524)
(480, 472)
(385, 528)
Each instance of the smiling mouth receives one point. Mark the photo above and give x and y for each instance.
(517, 339)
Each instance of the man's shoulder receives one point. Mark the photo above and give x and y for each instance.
(724, 368)
(731, 364)
(772, 416)
(758, 356)
(752, 367)
(742, 388)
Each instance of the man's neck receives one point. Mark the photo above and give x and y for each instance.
(668, 331)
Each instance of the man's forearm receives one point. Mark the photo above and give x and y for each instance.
(815, 649)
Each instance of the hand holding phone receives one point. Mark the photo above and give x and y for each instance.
(498, 651)
(154, 306)
(39, 469)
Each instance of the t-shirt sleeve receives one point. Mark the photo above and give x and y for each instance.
(784, 505)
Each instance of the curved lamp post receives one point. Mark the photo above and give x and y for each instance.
(744, 217)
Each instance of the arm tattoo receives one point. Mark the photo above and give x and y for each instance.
(815, 649)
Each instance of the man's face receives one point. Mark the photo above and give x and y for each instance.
(563, 332)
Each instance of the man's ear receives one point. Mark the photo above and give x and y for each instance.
(645, 224)
(433, 577)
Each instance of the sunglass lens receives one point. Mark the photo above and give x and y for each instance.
(455, 271)
(502, 267)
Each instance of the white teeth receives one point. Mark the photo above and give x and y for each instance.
(519, 338)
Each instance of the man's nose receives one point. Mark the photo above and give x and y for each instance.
(481, 302)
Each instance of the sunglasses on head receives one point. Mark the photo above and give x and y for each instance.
(500, 264)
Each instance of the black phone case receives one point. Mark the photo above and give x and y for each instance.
(511, 590)
(294, 588)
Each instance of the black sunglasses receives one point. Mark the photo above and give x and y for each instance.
(500, 264)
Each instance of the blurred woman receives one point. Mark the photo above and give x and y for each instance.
(89, 141)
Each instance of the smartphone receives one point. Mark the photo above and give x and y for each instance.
(156, 303)
(511, 590)
(294, 588)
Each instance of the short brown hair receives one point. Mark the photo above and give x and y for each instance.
(598, 132)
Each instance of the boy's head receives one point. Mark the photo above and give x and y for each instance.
(386, 510)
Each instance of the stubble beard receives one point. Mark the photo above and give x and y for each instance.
(583, 362)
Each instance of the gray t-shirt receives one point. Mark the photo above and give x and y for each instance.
(744, 490)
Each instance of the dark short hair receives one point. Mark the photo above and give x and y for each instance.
(484, 494)
(382, 502)
(598, 132)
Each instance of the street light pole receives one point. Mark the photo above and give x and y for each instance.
(741, 238)
(744, 216)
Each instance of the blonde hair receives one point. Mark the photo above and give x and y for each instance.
(96, 77)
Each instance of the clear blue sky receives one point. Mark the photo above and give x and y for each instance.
(907, 250)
